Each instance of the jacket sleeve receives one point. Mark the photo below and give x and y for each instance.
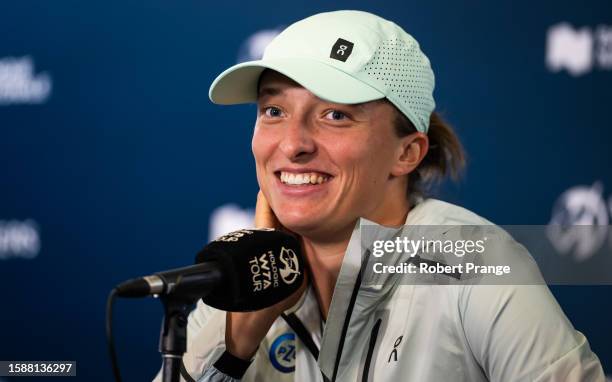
(520, 333)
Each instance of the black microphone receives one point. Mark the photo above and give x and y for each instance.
(242, 271)
(187, 282)
(261, 267)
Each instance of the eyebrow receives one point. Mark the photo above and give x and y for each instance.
(274, 91)
(269, 91)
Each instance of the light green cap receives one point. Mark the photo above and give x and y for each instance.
(343, 57)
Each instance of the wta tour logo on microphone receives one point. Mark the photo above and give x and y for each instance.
(290, 270)
(265, 270)
(270, 266)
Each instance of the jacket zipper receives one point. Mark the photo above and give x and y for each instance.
(349, 312)
(371, 345)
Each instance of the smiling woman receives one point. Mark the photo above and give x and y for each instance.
(354, 147)
(346, 137)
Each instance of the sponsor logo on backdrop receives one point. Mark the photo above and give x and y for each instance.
(578, 50)
(19, 239)
(253, 47)
(20, 85)
(229, 218)
(580, 206)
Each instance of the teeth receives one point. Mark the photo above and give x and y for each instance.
(304, 178)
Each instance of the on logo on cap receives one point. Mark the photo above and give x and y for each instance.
(341, 50)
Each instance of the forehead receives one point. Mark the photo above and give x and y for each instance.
(272, 83)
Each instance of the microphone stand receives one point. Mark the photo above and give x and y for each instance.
(177, 301)
(178, 289)
(173, 336)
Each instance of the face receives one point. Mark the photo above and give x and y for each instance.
(322, 165)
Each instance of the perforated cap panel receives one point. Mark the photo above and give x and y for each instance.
(407, 77)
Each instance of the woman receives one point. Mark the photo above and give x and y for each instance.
(346, 136)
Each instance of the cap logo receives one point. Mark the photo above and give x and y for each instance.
(341, 50)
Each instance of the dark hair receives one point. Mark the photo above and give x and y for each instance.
(445, 157)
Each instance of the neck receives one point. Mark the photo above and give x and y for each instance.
(324, 259)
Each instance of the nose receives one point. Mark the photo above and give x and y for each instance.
(297, 142)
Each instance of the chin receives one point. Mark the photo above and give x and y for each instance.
(300, 223)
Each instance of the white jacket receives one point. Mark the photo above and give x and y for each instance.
(422, 333)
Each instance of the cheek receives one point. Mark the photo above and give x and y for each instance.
(260, 149)
(365, 158)
(261, 146)
(264, 146)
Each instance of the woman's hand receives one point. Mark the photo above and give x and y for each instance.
(264, 216)
(245, 330)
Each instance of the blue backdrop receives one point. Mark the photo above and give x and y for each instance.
(114, 161)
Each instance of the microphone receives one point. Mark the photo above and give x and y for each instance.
(242, 271)
(187, 282)
(261, 268)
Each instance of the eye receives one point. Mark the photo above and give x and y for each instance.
(272, 111)
(336, 115)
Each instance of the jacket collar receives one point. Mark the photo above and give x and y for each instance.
(353, 302)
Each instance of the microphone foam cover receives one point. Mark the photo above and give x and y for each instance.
(261, 267)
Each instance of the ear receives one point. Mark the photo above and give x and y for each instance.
(411, 151)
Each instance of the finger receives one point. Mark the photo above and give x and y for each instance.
(264, 216)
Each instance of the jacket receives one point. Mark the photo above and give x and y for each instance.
(396, 331)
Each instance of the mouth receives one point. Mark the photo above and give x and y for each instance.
(306, 178)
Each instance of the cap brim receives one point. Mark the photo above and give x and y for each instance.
(238, 84)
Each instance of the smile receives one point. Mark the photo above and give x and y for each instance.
(297, 179)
